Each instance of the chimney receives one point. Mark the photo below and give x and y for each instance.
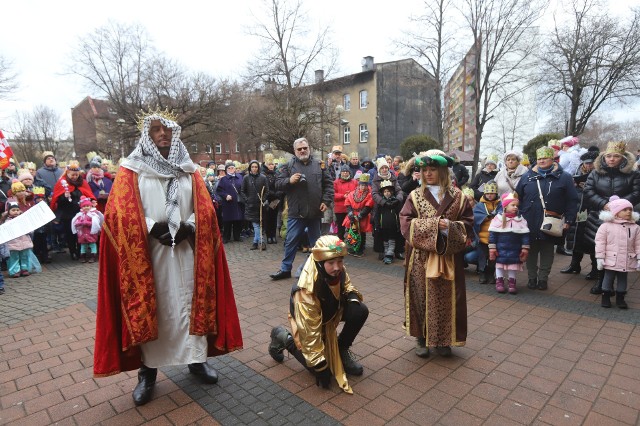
(367, 63)
(319, 76)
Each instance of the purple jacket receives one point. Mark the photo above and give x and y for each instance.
(230, 185)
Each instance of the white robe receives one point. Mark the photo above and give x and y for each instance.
(173, 278)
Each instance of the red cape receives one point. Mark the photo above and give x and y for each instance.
(58, 190)
(126, 314)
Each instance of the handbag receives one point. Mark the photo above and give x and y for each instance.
(552, 223)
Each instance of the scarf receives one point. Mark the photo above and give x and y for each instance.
(385, 176)
(543, 172)
(147, 159)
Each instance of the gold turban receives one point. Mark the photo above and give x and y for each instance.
(328, 247)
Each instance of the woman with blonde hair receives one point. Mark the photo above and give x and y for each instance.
(436, 221)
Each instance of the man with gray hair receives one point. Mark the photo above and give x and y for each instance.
(309, 190)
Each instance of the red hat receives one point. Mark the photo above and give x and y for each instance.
(85, 201)
(508, 198)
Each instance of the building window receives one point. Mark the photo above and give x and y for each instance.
(208, 149)
(347, 135)
(194, 148)
(237, 147)
(218, 148)
(364, 133)
(347, 102)
(363, 99)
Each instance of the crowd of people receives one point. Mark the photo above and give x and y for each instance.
(162, 212)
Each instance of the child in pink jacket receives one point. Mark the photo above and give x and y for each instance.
(617, 248)
(20, 248)
(87, 225)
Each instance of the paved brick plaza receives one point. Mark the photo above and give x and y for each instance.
(550, 357)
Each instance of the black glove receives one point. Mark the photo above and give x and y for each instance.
(323, 378)
(160, 230)
(186, 229)
(360, 216)
(353, 297)
(351, 216)
(393, 202)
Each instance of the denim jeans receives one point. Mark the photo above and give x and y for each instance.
(295, 233)
(256, 232)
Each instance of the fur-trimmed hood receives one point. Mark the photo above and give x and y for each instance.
(601, 168)
(607, 216)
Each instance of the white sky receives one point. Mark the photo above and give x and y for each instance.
(208, 36)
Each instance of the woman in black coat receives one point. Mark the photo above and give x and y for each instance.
(485, 175)
(255, 191)
(613, 175)
(274, 198)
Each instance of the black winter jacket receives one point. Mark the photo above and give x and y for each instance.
(602, 183)
(254, 187)
(479, 180)
(304, 198)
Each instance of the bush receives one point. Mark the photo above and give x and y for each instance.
(538, 142)
(417, 144)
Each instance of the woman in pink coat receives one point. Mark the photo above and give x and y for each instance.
(617, 248)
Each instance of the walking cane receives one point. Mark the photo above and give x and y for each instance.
(261, 207)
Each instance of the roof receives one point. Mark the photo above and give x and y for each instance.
(462, 156)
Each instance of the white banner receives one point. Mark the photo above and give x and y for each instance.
(32, 219)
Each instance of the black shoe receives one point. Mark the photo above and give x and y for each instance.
(280, 275)
(571, 269)
(203, 370)
(444, 351)
(596, 289)
(144, 388)
(593, 275)
(482, 279)
(421, 347)
(400, 256)
(74, 256)
(542, 285)
(280, 339)
(562, 250)
(351, 366)
(620, 303)
(254, 246)
(606, 299)
(532, 284)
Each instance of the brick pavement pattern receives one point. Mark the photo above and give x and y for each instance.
(550, 357)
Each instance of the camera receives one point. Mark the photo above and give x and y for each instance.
(303, 178)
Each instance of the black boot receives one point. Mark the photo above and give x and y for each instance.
(280, 340)
(606, 299)
(592, 275)
(482, 277)
(620, 303)
(597, 287)
(203, 370)
(351, 366)
(146, 382)
(573, 268)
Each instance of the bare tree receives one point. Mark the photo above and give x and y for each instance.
(8, 78)
(36, 132)
(287, 56)
(504, 41)
(591, 58)
(432, 42)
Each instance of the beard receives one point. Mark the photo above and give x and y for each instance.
(304, 157)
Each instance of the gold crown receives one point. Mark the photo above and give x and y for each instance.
(169, 115)
(38, 190)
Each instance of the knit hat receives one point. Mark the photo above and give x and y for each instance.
(512, 152)
(569, 141)
(507, 198)
(616, 148)
(47, 154)
(364, 179)
(95, 162)
(24, 174)
(594, 148)
(221, 167)
(17, 186)
(589, 156)
(617, 204)
(12, 205)
(491, 159)
(85, 202)
(491, 187)
(544, 152)
(345, 168)
(228, 164)
(381, 162)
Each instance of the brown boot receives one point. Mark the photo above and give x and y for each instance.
(92, 258)
(84, 257)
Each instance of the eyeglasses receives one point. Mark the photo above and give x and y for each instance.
(302, 148)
